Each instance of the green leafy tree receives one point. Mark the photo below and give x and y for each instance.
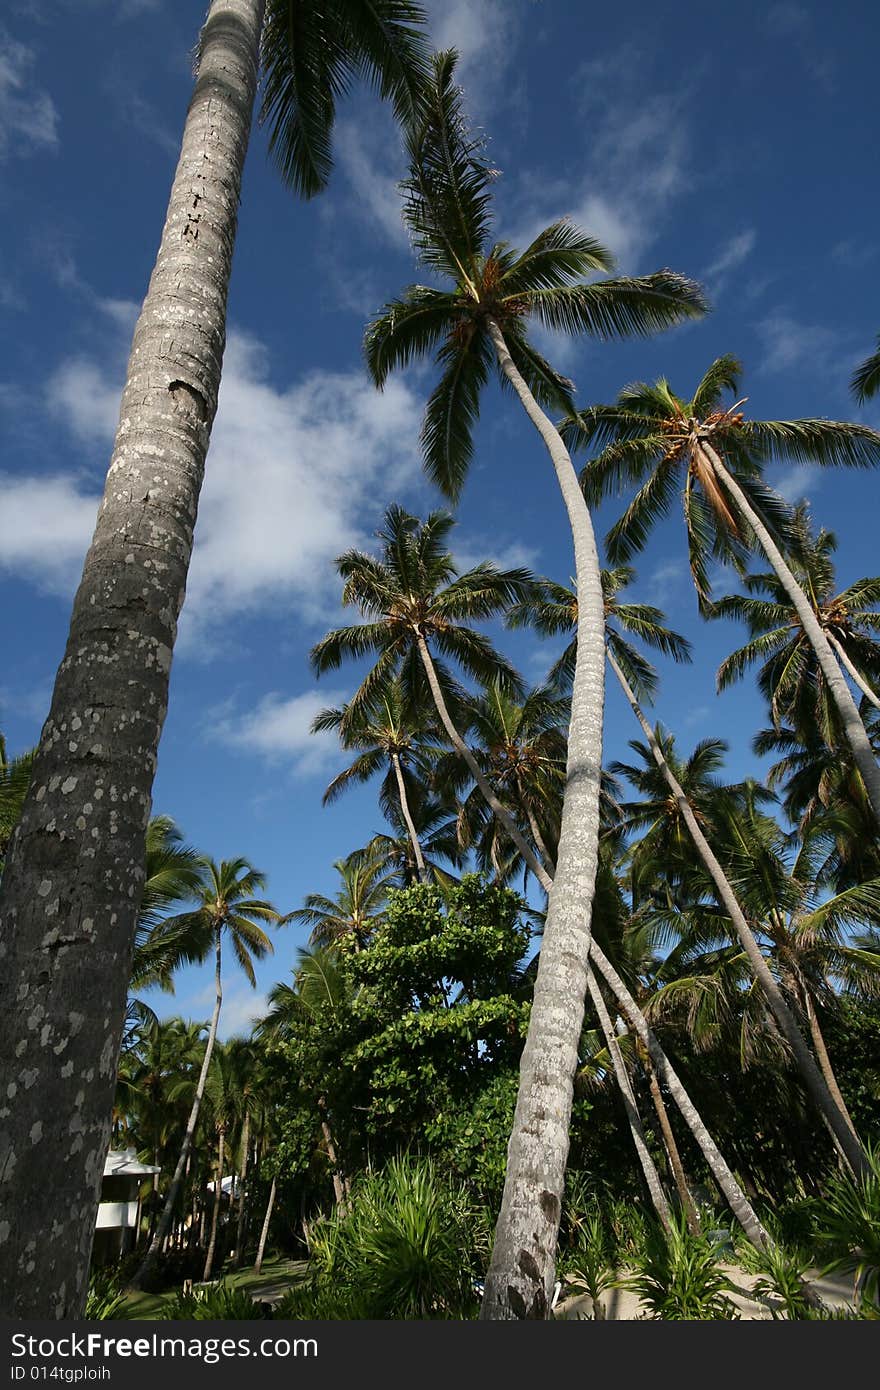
(480, 318)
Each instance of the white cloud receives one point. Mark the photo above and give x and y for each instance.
(789, 343)
(278, 728)
(28, 118)
(730, 256)
(366, 152)
(796, 482)
(294, 476)
(47, 525)
(485, 35)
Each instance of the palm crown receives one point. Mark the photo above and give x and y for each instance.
(652, 437)
(227, 905)
(448, 209)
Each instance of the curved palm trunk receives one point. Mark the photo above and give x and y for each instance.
(264, 1234)
(404, 806)
(73, 878)
(218, 1198)
(736, 1198)
(634, 1119)
(546, 856)
(519, 1283)
(810, 1073)
(239, 1222)
(691, 1214)
(837, 686)
(825, 1060)
(857, 677)
(168, 1210)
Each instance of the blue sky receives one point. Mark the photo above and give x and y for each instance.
(735, 144)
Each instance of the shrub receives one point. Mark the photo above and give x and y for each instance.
(677, 1275)
(105, 1298)
(848, 1227)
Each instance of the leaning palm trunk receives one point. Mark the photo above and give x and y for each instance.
(634, 1119)
(733, 1193)
(519, 1281)
(405, 811)
(218, 1198)
(810, 1073)
(72, 881)
(825, 1061)
(264, 1234)
(856, 675)
(837, 686)
(168, 1210)
(669, 1143)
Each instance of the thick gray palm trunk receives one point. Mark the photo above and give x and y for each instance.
(837, 686)
(405, 811)
(519, 1282)
(164, 1224)
(73, 878)
(634, 1119)
(810, 1073)
(854, 673)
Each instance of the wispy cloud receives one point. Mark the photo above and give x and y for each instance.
(486, 36)
(28, 118)
(278, 728)
(130, 104)
(729, 257)
(793, 23)
(788, 343)
(47, 524)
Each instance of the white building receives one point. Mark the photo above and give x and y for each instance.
(119, 1208)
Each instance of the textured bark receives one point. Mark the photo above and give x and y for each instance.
(856, 675)
(404, 807)
(634, 1119)
(239, 1222)
(671, 1147)
(218, 1198)
(837, 686)
(186, 1147)
(75, 870)
(339, 1186)
(811, 1076)
(733, 1193)
(519, 1283)
(264, 1234)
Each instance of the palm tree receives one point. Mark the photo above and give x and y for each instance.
(94, 770)
(395, 738)
(436, 829)
(791, 679)
(223, 1102)
(481, 318)
(866, 378)
(15, 776)
(357, 908)
(229, 908)
(715, 455)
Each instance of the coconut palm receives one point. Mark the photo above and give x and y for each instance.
(228, 908)
(790, 678)
(436, 832)
(111, 689)
(480, 318)
(866, 378)
(357, 908)
(393, 738)
(714, 456)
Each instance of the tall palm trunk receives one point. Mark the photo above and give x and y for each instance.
(72, 880)
(669, 1143)
(519, 1283)
(857, 677)
(824, 1060)
(186, 1146)
(634, 1119)
(218, 1198)
(239, 1223)
(837, 686)
(264, 1234)
(404, 806)
(810, 1073)
(733, 1193)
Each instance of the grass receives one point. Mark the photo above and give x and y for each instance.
(277, 1271)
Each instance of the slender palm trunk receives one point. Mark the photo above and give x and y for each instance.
(264, 1234)
(546, 856)
(634, 1119)
(810, 1073)
(691, 1214)
(519, 1283)
(825, 1061)
(73, 877)
(857, 677)
(186, 1146)
(404, 806)
(837, 686)
(218, 1198)
(239, 1222)
(733, 1193)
